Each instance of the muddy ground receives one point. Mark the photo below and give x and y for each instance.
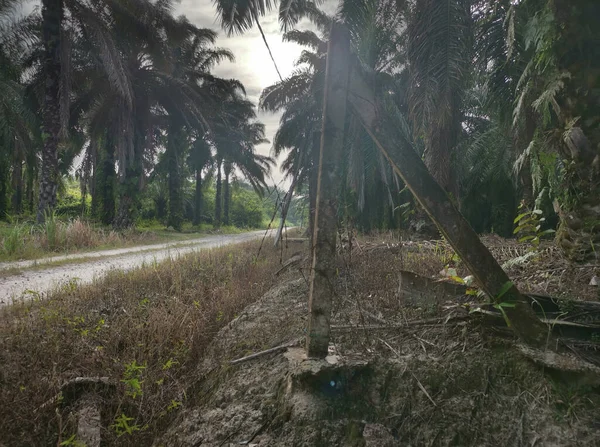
(400, 373)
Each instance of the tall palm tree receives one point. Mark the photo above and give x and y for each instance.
(193, 58)
(200, 158)
(52, 17)
(18, 122)
(375, 33)
(241, 156)
(235, 139)
(98, 23)
(538, 59)
(166, 64)
(440, 36)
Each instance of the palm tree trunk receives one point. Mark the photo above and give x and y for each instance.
(198, 198)
(17, 182)
(174, 147)
(92, 182)
(218, 198)
(52, 14)
(455, 228)
(129, 185)
(226, 193)
(106, 178)
(30, 193)
(4, 176)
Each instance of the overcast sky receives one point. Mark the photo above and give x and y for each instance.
(252, 66)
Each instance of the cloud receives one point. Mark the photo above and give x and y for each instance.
(253, 65)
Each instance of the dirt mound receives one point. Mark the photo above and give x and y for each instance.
(446, 384)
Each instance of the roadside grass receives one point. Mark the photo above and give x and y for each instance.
(145, 330)
(27, 241)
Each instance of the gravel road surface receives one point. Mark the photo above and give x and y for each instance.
(15, 287)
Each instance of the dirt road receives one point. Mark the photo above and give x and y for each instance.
(84, 267)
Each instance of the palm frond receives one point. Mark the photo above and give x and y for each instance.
(277, 96)
(305, 38)
(112, 62)
(237, 16)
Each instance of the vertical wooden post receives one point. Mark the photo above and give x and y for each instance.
(325, 230)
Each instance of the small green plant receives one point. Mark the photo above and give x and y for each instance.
(122, 425)
(504, 304)
(174, 405)
(170, 364)
(529, 227)
(72, 442)
(407, 210)
(132, 379)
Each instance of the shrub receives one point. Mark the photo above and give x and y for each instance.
(246, 209)
(15, 240)
(80, 234)
(53, 232)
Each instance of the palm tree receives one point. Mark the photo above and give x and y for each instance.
(242, 156)
(235, 139)
(241, 15)
(238, 16)
(52, 17)
(98, 24)
(300, 98)
(193, 57)
(439, 56)
(374, 28)
(166, 64)
(200, 158)
(537, 58)
(90, 21)
(18, 122)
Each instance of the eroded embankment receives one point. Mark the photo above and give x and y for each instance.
(443, 384)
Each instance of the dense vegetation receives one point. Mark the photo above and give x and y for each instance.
(110, 113)
(501, 98)
(120, 97)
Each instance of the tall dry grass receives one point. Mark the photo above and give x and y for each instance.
(146, 330)
(54, 236)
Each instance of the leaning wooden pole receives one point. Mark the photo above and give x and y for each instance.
(325, 228)
(477, 258)
(285, 207)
